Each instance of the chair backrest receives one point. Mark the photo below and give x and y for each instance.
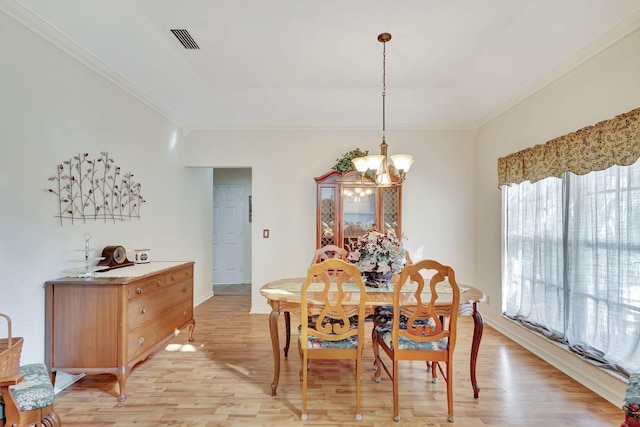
(324, 296)
(424, 321)
(328, 252)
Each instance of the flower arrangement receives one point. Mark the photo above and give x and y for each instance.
(378, 252)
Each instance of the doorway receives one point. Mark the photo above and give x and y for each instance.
(231, 230)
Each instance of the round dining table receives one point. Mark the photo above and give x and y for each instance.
(283, 296)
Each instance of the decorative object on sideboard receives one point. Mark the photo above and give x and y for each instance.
(114, 257)
(141, 256)
(90, 266)
(378, 164)
(94, 189)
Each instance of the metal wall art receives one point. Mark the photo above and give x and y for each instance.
(95, 189)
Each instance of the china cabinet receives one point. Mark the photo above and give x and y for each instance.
(347, 206)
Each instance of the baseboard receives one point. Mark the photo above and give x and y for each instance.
(607, 384)
(64, 380)
(203, 299)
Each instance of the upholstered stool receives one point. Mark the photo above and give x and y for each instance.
(27, 398)
(631, 406)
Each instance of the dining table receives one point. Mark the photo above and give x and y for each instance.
(283, 296)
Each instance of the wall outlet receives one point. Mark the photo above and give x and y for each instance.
(265, 233)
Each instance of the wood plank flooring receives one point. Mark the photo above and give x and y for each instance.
(224, 377)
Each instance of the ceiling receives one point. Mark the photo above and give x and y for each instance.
(303, 63)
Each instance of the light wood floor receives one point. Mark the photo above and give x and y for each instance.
(224, 377)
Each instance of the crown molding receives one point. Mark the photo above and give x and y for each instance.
(445, 126)
(38, 26)
(625, 27)
(33, 23)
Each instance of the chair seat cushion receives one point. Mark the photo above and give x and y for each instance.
(383, 317)
(405, 343)
(631, 405)
(353, 321)
(315, 342)
(34, 391)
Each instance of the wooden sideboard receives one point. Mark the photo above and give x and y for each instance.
(108, 324)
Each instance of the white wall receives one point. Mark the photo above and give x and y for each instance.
(51, 108)
(438, 196)
(597, 90)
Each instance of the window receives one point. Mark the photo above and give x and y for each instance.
(571, 262)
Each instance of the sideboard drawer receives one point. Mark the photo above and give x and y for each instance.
(146, 287)
(179, 275)
(150, 333)
(151, 306)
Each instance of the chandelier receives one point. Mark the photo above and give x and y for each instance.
(378, 164)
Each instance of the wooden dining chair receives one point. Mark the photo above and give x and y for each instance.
(324, 253)
(331, 326)
(429, 330)
(328, 252)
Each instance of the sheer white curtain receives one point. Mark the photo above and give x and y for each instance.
(571, 262)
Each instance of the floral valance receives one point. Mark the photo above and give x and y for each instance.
(592, 148)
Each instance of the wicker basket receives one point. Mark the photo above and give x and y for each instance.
(10, 349)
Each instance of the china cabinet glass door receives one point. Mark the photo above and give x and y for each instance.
(358, 212)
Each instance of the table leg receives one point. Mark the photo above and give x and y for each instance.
(275, 343)
(478, 326)
(287, 328)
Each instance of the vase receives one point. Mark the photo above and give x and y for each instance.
(375, 279)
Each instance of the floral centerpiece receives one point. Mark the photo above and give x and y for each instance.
(378, 255)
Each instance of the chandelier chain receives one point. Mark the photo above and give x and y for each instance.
(384, 83)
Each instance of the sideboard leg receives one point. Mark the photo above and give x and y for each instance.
(122, 381)
(192, 326)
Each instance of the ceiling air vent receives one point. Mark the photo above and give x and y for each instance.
(185, 38)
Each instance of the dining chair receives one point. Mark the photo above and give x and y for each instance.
(331, 328)
(429, 332)
(328, 252)
(322, 254)
(383, 314)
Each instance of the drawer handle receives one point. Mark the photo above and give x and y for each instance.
(139, 291)
(184, 289)
(143, 310)
(159, 283)
(184, 314)
(141, 341)
(173, 278)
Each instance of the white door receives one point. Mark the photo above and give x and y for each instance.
(228, 218)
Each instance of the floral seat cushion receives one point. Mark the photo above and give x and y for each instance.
(383, 316)
(315, 342)
(34, 391)
(404, 343)
(631, 406)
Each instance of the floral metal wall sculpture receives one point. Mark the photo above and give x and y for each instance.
(95, 189)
